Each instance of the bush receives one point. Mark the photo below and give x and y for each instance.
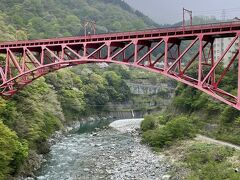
(229, 114)
(176, 129)
(210, 162)
(163, 119)
(149, 123)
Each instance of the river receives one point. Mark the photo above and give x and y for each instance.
(114, 152)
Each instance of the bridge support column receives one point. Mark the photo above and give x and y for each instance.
(200, 60)
(238, 92)
(135, 42)
(61, 56)
(149, 56)
(212, 63)
(23, 59)
(180, 60)
(108, 44)
(84, 50)
(166, 40)
(42, 55)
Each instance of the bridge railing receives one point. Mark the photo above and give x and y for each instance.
(118, 34)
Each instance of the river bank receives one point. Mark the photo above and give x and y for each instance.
(113, 152)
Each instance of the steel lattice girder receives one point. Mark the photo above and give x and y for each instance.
(171, 52)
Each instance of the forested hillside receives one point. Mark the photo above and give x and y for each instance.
(31, 116)
(55, 18)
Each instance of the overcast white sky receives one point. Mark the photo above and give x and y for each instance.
(170, 11)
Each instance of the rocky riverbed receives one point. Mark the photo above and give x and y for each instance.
(141, 163)
(106, 153)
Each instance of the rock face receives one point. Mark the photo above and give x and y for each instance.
(146, 88)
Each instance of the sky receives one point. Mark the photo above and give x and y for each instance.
(170, 11)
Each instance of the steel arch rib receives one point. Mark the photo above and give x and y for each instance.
(121, 63)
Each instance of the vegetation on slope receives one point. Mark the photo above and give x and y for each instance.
(11, 149)
(158, 133)
(196, 160)
(199, 159)
(216, 119)
(56, 18)
(208, 161)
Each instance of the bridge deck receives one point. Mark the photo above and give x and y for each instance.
(220, 28)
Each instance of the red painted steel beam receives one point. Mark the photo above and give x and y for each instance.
(186, 50)
(220, 59)
(150, 51)
(226, 69)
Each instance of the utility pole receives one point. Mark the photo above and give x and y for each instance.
(190, 14)
(91, 25)
(223, 15)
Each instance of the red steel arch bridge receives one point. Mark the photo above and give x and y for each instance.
(186, 54)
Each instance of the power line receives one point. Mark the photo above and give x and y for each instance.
(215, 12)
(218, 10)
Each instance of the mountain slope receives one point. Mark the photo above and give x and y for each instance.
(56, 18)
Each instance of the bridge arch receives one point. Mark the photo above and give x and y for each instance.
(170, 52)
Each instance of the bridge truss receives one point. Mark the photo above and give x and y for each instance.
(184, 54)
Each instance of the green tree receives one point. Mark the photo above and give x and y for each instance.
(12, 152)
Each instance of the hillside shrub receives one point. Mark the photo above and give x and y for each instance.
(210, 162)
(149, 123)
(177, 129)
